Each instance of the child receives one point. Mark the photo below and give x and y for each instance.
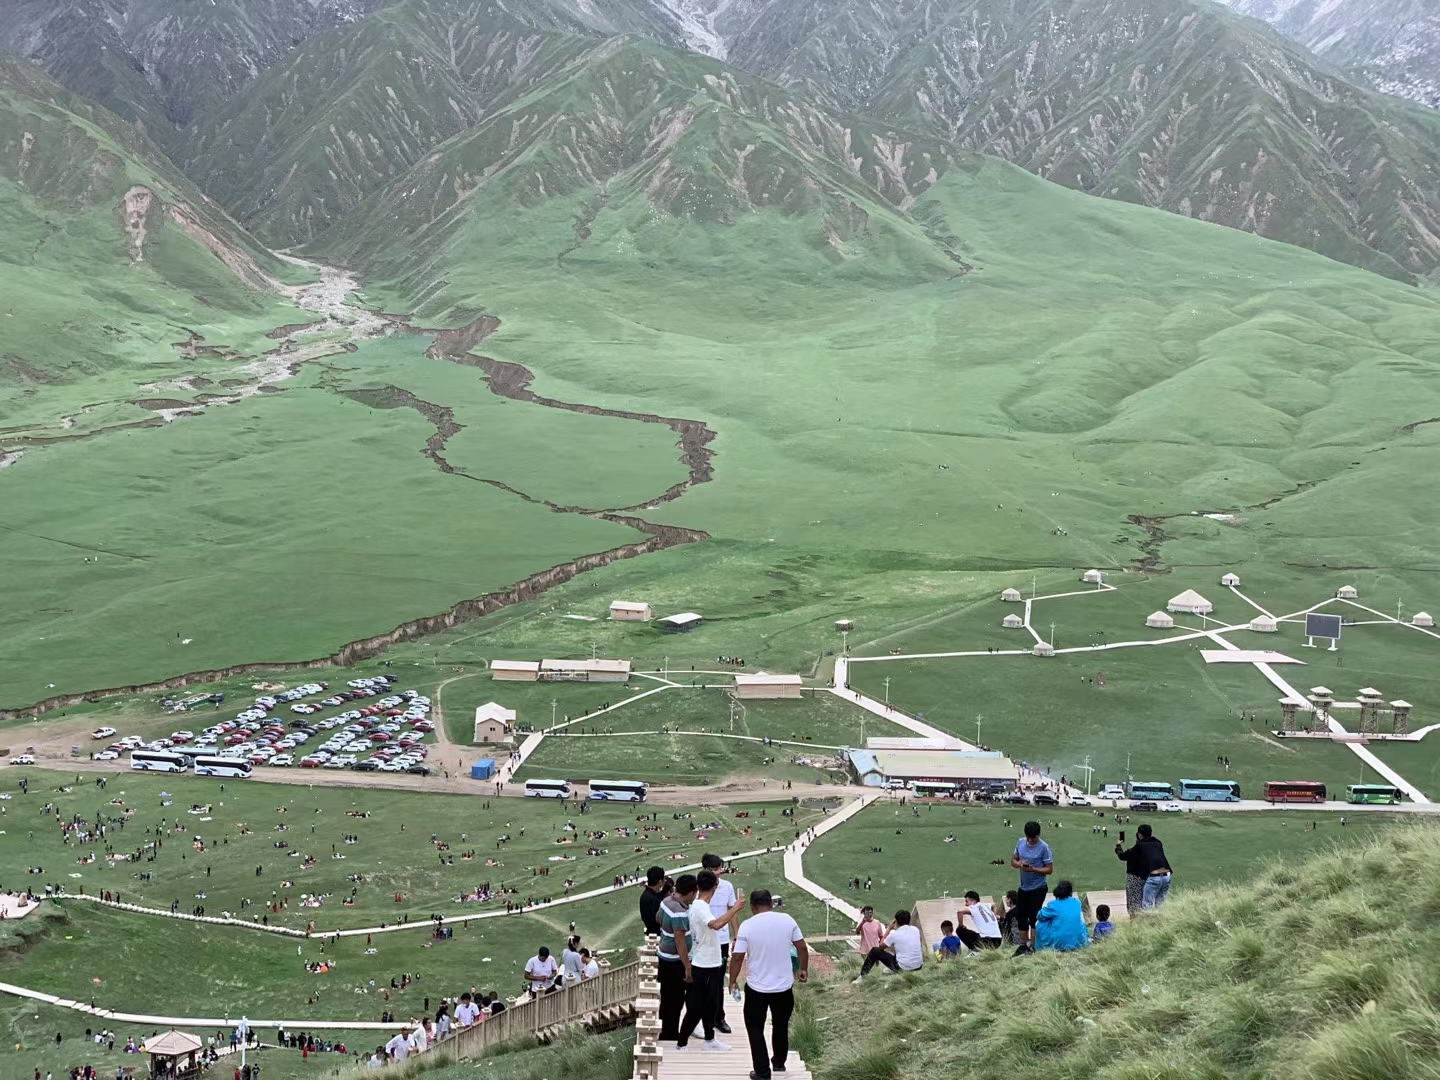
(1103, 926)
(949, 944)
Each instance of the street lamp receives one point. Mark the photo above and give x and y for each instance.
(887, 691)
(978, 718)
(1089, 773)
(554, 704)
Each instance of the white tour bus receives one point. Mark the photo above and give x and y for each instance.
(159, 761)
(618, 790)
(547, 789)
(231, 767)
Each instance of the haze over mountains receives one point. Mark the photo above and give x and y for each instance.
(305, 116)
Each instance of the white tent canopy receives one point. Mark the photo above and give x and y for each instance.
(1160, 620)
(1229, 579)
(1191, 603)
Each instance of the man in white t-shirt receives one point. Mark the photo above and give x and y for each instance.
(904, 939)
(590, 967)
(465, 1012)
(399, 1047)
(762, 947)
(985, 933)
(419, 1040)
(707, 967)
(540, 971)
(722, 901)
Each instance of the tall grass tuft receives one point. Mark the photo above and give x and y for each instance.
(876, 1061)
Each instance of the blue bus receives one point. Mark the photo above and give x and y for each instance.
(1209, 790)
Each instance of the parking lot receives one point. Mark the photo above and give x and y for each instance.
(372, 729)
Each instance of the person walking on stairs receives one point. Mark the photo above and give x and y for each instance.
(762, 946)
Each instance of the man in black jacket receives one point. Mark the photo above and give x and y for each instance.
(650, 897)
(1147, 871)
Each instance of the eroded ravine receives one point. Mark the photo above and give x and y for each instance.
(504, 379)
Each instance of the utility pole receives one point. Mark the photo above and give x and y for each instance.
(887, 691)
(1033, 590)
(1089, 773)
(978, 718)
(594, 650)
(554, 704)
(1128, 774)
(666, 671)
(1052, 635)
(845, 642)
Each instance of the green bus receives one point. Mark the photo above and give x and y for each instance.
(1373, 793)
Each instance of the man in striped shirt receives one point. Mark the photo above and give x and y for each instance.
(673, 952)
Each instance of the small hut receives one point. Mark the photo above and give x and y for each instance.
(1012, 622)
(1043, 648)
(1422, 618)
(494, 724)
(1160, 620)
(1190, 602)
(1012, 596)
(630, 611)
(174, 1055)
(1263, 624)
(1230, 580)
(1346, 592)
(1092, 577)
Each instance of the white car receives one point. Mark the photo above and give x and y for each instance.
(283, 759)
(1112, 791)
(106, 755)
(392, 766)
(1080, 800)
(23, 759)
(102, 733)
(1171, 808)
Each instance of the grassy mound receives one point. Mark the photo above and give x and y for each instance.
(1315, 969)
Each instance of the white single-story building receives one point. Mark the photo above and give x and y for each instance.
(630, 611)
(1012, 622)
(1044, 648)
(1012, 596)
(1190, 602)
(1263, 624)
(515, 670)
(1346, 592)
(585, 670)
(1422, 618)
(677, 624)
(494, 724)
(764, 685)
(912, 742)
(1160, 620)
(943, 768)
(1093, 577)
(1229, 579)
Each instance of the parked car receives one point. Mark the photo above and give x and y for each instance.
(1015, 798)
(107, 755)
(1080, 800)
(419, 770)
(1172, 808)
(368, 765)
(282, 759)
(1044, 798)
(23, 759)
(1112, 791)
(102, 733)
(1145, 805)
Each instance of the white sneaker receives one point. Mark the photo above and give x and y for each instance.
(858, 979)
(715, 1046)
(682, 1049)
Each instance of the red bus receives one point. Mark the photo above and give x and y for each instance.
(1294, 791)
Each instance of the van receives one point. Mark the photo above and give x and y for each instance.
(1112, 791)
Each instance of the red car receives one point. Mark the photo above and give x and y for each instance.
(309, 763)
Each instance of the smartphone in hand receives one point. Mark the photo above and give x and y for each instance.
(1122, 836)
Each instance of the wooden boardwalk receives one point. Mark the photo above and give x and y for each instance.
(694, 1063)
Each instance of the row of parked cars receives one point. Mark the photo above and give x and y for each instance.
(383, 737)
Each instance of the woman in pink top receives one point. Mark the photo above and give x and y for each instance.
(870, 929)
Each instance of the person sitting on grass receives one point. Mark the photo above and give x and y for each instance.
(904, 939)
(1103, 927)
(949, 945)
(987, 932)
(1060, 924)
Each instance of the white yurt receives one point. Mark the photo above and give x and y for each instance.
(1190, 602)
(1012, 622)
(1346, 592)
(1263, 624)
(1160, 620)
(1044, 648)
(1422, 618)
(1093, 577)
(1229, 579)
(1012, 596)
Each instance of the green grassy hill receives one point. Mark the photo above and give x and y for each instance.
(1317, 969)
